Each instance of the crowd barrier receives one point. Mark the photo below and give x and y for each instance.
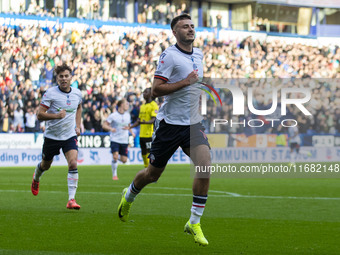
(86, 156)
(102, 140)
(102, 156)
(275, 155)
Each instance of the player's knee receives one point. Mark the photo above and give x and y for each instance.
(123, 159)
(44, 166)
(72, 164)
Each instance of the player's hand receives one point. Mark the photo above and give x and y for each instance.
(78, 131)
(113, 130)
(126, 128)
(192, 77)
(62, 114)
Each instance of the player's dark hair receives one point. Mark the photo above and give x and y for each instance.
(148, 90)
(120, 102)
(62, 68)
(178, 18)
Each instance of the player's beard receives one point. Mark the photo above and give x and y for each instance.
(188, 41)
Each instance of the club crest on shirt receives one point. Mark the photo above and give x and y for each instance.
(68, 102)
(162, 56)
(195, 67)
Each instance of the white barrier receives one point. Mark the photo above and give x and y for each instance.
(102, 156)
(278, 154)
(86, 156)
(20, 141)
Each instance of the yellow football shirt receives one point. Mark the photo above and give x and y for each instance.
(146, 113)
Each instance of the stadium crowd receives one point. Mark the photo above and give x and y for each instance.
(152, 14)
(109, 66)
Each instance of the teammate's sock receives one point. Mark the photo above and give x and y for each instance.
(72, 183)
(114, 166)
(132, 193)
(292, 157)
(38, 172)
(146, 160)
(197, 208)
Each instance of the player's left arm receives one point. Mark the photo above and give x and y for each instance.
(136, 123)
(149, 122)
(78, 119)
(131, 131)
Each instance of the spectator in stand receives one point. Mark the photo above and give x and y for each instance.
(18, 120)
(31, 118)
(88, 125)
(97, 125)
(34, 75)
(2, 85)
(95, 8)
(48, 74)
(184, 8)
(6, 124)
(149, 15)
(14, 71)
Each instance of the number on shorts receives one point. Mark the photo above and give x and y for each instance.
(148, 145)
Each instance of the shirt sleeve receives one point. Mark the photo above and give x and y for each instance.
(110, 118)
(164, 67)
(46, 99)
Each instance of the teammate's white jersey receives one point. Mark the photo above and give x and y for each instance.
(291, 133)
(118, 121)
(180, 107)
(55, 100)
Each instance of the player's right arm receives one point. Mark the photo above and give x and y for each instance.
(107, 127)
(160, 87)
(43, 115)
(45, 104)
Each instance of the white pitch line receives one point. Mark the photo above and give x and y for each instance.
(183, 195)
(124, 186)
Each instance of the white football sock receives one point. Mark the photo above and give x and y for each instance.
(114, 166)
(38, 173)
(72, 183)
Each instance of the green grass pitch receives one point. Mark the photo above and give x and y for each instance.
(242, 216)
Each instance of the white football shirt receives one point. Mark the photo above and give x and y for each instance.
(180, 107)
(55, 100)
(118, 121)
(291, 133)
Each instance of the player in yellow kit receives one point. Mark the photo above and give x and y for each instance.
(146, 118)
